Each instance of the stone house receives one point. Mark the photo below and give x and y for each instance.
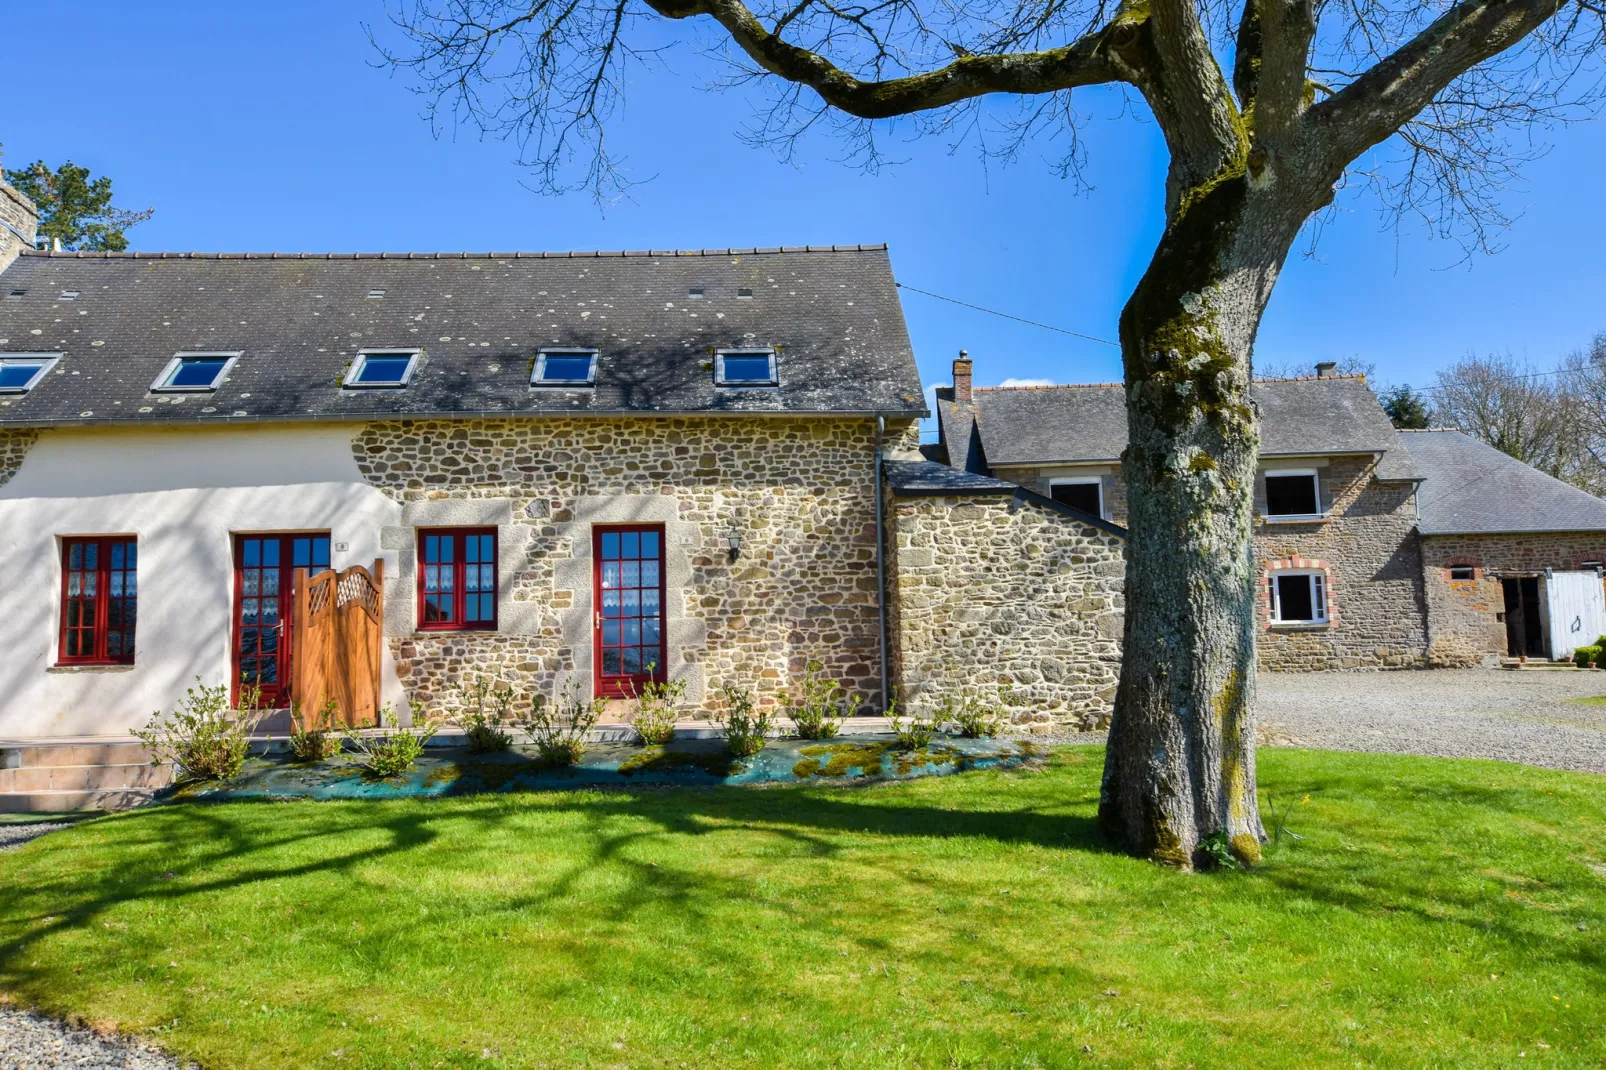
(1376, 548)
(585, 470)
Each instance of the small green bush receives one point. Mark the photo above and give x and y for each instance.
(655, 709)
(973, 718)
(745, 727)
(821, 704)
(487, 710)
(913, 732)
(559, 728)
(1584, 655)
(314, 742)
(205, 738)
(389, 756)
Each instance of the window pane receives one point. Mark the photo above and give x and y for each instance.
(487, 607)
(747, 369)
(75, 556)
(610, 603)
(91, 554)
(610, 575)
(632, 631)
(649, 602)
(611, 661)
(270, 553)
(566, 368)
(1291, 496)
(649, 544)
(610, 633)
(383, 369)
(301, 553)
(610, 545)
(251, 553)
(632, 660)
(631, 575)
(1294, 594)
(630, 601)
(649, 573)
(117, 555)
(14, 375)
(629, 544)
(320, 554)
(649, 631)
(197, 371)
(270, 581)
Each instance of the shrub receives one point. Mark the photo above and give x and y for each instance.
(314, 743)
(973, 718)
(394, 753)
(1586, 654)
(821, 704)
(205, 737)
(745, 727)
(911, 733)
(487, 709)
(653, 716)
(559, 728)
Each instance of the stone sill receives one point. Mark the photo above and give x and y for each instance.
(89, 668)
(1322, 518)
(1311, 626)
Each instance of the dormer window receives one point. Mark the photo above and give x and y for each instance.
(745, 367)
(381, 368)
(194, 372)
(21, 373)
(1293, 494)
(564, 367)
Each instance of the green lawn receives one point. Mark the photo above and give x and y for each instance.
(1436, 913)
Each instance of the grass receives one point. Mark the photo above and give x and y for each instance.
(1435, 913)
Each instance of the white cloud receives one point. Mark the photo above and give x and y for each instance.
(1027, 382)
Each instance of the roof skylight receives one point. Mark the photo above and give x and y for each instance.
(194, 372)
(20, 373)
(381, 368)
(745, 367)
(564, 367)
(376, 295)
(68, 295)
(15, 294)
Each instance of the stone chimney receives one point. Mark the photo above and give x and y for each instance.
(19, 221)
(1327, 369)
(962, 378)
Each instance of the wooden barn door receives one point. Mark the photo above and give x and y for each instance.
(264, 636)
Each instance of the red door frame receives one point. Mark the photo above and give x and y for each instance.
(625, 686)
(280, 696)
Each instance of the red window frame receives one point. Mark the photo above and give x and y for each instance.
(99, 602)
(627, 685)
(457, 539)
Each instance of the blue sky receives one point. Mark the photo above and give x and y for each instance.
(268, 127)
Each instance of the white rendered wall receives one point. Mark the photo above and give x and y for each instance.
(184, 493)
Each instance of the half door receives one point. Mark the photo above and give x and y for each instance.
(264, 571)
(629, 608)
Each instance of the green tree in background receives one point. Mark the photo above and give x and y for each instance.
(1407, 409)
(75, 209)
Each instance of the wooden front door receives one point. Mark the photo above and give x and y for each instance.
(628, 592)
(264, 567)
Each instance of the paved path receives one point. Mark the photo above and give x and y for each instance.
(1521, 716)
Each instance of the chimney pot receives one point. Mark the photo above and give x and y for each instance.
(962, 378)
(1327, 369)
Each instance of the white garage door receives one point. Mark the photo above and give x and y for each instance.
(1577, 605)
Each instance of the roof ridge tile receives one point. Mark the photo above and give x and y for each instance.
(82, 254)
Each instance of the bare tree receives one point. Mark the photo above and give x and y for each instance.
(1521, 411)
(1583, 379)
(1266, 107)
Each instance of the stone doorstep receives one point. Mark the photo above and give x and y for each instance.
(82, 750)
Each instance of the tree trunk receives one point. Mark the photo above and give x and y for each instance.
(1179, 772)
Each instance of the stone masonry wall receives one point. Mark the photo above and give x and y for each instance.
(797, 491)
(14, 446)
(1373, 560)
(1010, 599)
(1463, 622)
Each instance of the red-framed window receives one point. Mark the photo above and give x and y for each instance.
(629, 595)
(456, 579)
(99, 600)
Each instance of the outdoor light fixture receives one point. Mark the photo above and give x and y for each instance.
(733, 540)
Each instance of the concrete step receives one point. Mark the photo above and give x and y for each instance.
(84, 777)
(35, 755)
(35, 802)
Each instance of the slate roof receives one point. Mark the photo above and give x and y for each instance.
(1076, 424)
(917, 479)
(299, 319)
(1473, 488)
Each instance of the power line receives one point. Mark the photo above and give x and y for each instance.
(1007, 316)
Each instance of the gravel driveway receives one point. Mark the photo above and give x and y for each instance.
(1513, 716)
(29, 1042)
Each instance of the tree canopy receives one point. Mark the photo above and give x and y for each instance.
(76, 209)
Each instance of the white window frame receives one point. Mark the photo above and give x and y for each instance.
(1320, 595)
(159, 385)
(746, 384)
(350, 381)
(46, 361)
(1077, 481)
(1290, 473)
(538, 373)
